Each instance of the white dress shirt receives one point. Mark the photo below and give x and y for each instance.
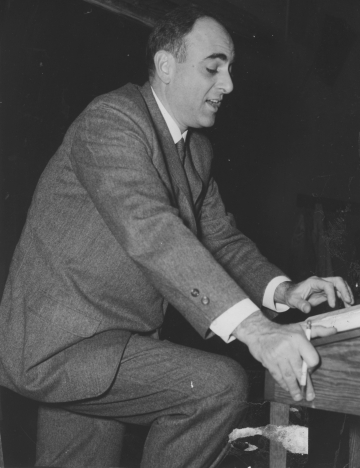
(226, 323)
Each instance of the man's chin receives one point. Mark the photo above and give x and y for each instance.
(207, 122)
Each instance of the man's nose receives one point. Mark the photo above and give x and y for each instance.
(226, 83)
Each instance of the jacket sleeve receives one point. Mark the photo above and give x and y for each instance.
(237, 254)
(111, 156)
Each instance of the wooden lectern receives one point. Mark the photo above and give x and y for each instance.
(337, 387)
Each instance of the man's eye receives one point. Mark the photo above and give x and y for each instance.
(212, 71)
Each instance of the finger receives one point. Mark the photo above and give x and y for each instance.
(348, 299)
(343, 290)
(310, 393)
(297, 365)
(291, 381)
(307, 351)
(351, 294)
(329, 290)
(346, 304)
(320, 331)
(276, 374)
(317, 299)
(302, 305)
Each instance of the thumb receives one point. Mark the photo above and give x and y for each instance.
(303, 305)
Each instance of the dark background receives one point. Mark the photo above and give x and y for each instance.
(290, 127)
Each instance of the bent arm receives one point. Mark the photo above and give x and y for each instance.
(112, 159)
(238, 255)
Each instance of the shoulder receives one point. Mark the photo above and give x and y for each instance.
(127, 99)
(123, 109)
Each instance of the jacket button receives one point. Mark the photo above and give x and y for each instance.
(205, 300)
(195, 292)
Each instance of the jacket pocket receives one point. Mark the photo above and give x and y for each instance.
(63, 316)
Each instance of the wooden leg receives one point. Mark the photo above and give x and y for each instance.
(1, 449)
(354, 441)
(1, 455)
(279, 416)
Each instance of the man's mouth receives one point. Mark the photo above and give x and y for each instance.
(215, 103)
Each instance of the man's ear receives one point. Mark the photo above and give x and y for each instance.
(164, 62)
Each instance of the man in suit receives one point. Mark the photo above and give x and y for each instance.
(126, 218)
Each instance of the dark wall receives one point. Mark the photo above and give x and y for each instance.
(56, 57)
(290, 126)
(294, 122)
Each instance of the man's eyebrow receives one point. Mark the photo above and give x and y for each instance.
(220, 56)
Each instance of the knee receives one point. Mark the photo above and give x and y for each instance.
(225, 379)
(233, 379)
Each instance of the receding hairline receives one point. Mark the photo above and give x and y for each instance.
(178, 46)
(216, 55)
(213, 20)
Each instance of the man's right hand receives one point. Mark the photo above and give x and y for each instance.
(281, 349)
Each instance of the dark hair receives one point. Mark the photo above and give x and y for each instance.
(168, 33)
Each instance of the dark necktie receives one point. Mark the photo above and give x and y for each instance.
(190, 171)
(180, 146)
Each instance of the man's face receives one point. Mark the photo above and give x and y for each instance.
(199, 84)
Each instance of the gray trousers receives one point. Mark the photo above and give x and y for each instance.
(190, 399)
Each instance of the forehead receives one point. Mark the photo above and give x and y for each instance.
(208, 39)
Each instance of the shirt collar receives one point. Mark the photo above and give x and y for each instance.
(170, 122)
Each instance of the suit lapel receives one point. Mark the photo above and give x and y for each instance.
(172, 160)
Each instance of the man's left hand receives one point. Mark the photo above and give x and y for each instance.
(314, 291)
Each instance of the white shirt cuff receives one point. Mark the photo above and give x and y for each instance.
(268, 300)
(226, 323)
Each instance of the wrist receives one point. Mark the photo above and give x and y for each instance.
(281, 292)
(247, 328)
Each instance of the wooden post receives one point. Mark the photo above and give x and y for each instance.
(354, 441)
(1, 455)
(279, 416)
(1, 426)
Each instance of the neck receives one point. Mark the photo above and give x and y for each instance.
(161, 90)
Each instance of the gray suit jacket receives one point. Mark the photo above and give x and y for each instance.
(113, 234)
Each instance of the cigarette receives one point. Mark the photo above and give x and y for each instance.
(304, 369)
